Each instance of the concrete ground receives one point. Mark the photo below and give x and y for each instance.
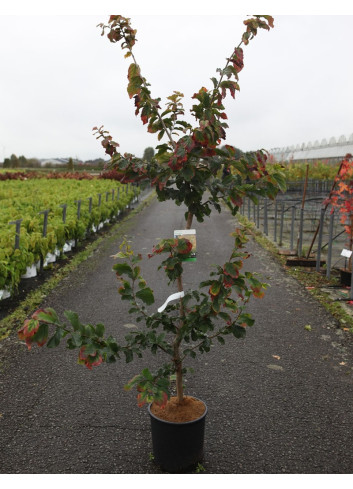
(279, 401)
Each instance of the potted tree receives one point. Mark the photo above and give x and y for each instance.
(190, 168)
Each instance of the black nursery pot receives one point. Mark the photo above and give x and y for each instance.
(346, 276)
(177, 446)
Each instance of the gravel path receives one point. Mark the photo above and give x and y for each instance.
(279, 401)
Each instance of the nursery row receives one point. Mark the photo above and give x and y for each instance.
(34, 174)
(40, 219)
(318, 170)
(313, 235)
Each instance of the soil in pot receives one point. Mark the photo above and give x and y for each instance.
(188, 410)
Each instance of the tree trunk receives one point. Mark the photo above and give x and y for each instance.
(178, 372)
(189, 221)
(176, 359)
(351, 245)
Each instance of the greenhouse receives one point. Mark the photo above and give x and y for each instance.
(332, 150)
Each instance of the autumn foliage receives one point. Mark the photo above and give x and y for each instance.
(341, 197)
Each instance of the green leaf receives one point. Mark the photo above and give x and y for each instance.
(229, 71)
(55, 339)
(135, 80)
(224, 316)
(100, 330)
(221, 340)
(190, 352)
(196, 294)
(146, 295)
(136, 272)
(147, 374)
(73, 318)
(121, 254)
(280, 180)
(238, 331)
(128, 356)
(185, 124)
(42, 333)
(217, 303)
(231, 269)
(89, 330)
(49, 316)
(123, 268)
(253, 198)
(215, 288)
(90, 349)
(188, 172)
(247, 319)
(214, 81)
(132, 310)
(76, 339)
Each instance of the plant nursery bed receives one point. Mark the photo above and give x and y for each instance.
(27, 285)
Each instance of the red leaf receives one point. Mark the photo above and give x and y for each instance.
(238, 59)
(258, 292)
(30, 327)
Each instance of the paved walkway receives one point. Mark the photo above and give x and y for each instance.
(279, 401)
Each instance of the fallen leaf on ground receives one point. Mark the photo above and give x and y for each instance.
(275, 367)
(277, 357)
(307, 327)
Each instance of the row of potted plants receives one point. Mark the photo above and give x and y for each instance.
(64, 227)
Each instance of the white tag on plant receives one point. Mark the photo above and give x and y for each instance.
(346, 253)
(172, 297)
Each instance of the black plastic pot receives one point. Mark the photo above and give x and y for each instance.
(346, 276)
(177, 446)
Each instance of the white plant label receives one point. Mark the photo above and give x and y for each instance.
(172, 297)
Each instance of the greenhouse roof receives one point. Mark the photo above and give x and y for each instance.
(331, 148)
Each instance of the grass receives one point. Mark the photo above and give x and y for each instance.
(35, 298)
(313, 281)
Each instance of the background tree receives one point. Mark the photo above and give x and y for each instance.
(22, 161)
(70, 165)
(14, 161)
(33, 163)
(148, 154)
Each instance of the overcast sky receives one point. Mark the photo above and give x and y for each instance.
(59, 78)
